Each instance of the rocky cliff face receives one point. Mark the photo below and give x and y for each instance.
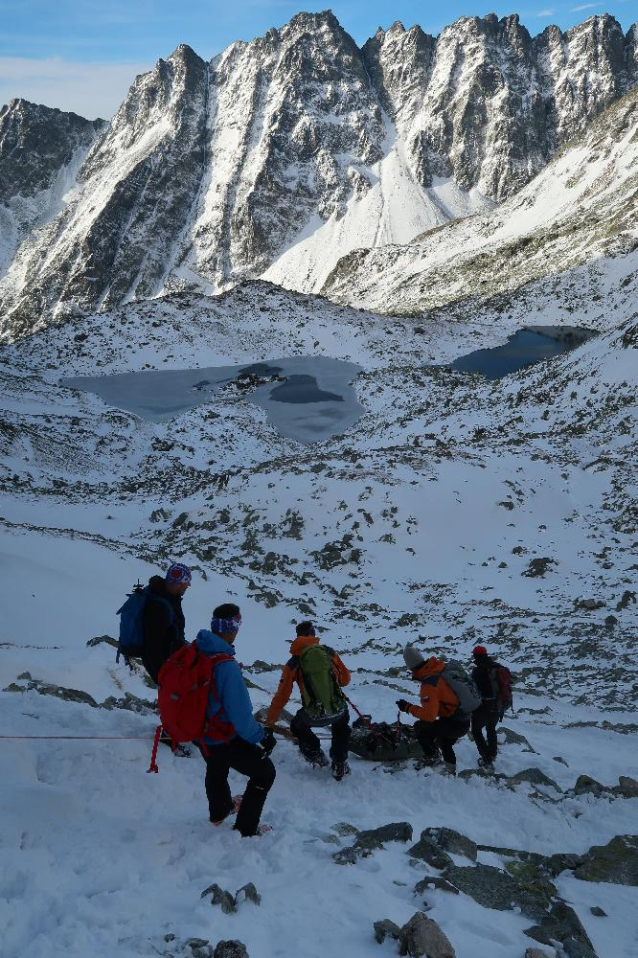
(299, 147)
(41, 150)
(581, 207)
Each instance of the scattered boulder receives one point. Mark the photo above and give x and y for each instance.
(345, 828)
(535, 777)
(230, 949)
(220, 897)
(589, 605)
(627, 598)
(626, 788)
(422, 938)
(386, 929)
(510, 737)
(393, 832)
(598, 911)
(247, 893)
(452, 841)
(57, 691)
(588, 786)
(428, 851)
(616, 862)
(562, 924)
(537, 568)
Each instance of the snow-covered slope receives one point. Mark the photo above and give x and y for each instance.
(582, 206)
(292, 150)
(455, 511)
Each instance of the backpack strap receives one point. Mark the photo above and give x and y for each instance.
(169, 605)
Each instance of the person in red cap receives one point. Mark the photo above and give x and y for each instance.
(493, 682)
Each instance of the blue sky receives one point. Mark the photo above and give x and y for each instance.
(82, 54)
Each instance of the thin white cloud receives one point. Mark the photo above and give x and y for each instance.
(90, 89)
(544, 13)
(584, 6)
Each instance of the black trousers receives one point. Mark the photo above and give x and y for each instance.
(485, 718)
(248, 760)
(441, 734)
(309, 743)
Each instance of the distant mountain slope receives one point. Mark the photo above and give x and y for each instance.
(291, 151)
(41, 150)
(583, 205)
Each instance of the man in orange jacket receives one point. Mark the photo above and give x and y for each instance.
(440, 722)
(337, 719)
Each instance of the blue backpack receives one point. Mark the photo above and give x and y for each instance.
(131, 615)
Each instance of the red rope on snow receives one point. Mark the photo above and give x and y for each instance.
(110, 738)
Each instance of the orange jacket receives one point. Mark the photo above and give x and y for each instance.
(292, 673)
(437, 698)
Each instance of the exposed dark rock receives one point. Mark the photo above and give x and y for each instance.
(588, 786)
(538, 568)
(230, 949)
(497, 889)
(535, 777)
(428, 851)
(423, 938)
(561, 924)
(598, 911)
(386, 929)
(394, 832)
(451, 841)
(616, 862)
(248, 893)
(220, 897)
(626, 788)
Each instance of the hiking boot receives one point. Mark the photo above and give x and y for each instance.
(263, 829)
(339, 770)
(316, 759)
(430, 762)
(487, 764)
(236, 806)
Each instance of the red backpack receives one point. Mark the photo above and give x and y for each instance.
(185, 681)
(501, 679)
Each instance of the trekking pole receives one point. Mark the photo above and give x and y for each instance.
(153, 766)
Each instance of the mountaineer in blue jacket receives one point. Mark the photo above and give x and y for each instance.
(232, 737)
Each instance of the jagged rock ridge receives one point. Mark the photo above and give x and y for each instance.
(209, 172)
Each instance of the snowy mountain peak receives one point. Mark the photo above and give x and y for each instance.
(285, 153)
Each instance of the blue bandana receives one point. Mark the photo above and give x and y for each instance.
(225, 626)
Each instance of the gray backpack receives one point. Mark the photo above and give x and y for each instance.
(463, 687)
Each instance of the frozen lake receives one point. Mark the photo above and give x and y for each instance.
(525, 348)
(308, 398)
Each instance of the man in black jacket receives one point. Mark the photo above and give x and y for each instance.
(163, 618)
(486, 716)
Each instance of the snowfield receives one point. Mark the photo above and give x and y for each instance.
(420, 524)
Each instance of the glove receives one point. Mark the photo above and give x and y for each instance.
(268, 742)
(403, 705)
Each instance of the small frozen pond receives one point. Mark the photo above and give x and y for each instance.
(307, 398)
(524, 348)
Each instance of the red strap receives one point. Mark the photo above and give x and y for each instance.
(153, 766)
